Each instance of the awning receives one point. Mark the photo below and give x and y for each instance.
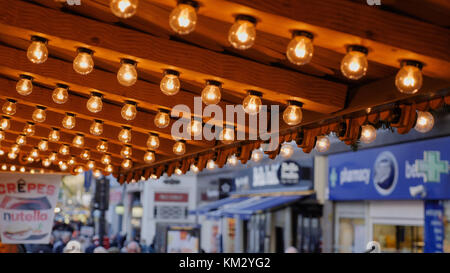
(216, 204)
(217, 214)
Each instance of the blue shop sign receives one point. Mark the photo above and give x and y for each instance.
(416, 170)
(434, 226)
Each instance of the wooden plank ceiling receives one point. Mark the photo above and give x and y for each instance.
(390, 34)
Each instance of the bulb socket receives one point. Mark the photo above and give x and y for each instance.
(41, 107)
(98, 121)
(128, 61)
(55, 129)
(153, 134)
(6, 117)
(162, 110)
(70, 114)
(213, 82)
(61, 85)
(85, 50)
(11, 100)
(35, 38)
(307, 34)
(182, 141)
(191, 3)
(358, 48)
(126, 128)
(131, 102)
(295, 102)
(411, 63)
(171, 72)
(26, 77)
(105, 140)
(245, 17)
(96, 94)
(254, 93)
(30, 123)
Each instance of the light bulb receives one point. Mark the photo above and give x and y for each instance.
(32, 171)
(322, 144)
(21, 140)
(106, 159)
(127, 74)
(257, 155)
(91, 164)
(2, 135)
(63, 165)
(293, 115)
(25, 85)
(109, 168)
(125, 135)
(124, 8)
(43, 145)
(37, 51)
(252, 103)
(162, 119)
(179, 148)
(409, 78)
(15, 148)
(227, 135)
(286, 150)
(72, 161)
(300, 49)
(194, 168)
(39, 114)
(368, 133)
(183, 18)
(4, 167)
(102, 146)
(2, 152)
(232, 160)
(83, 62)
(22, 169)
(97, 173)
(242, 33)
(195, 127)
(126, 151)
(153, 141)
(12, 155)
(60, 94)
(29, 159)
(78, 169)
(29, 129)
(127, 164)
(94, 103)
(54, 135)
(34, 153)
(64, 149)
(85, 154)
(178, 171)
(5, 123)
(68, 121)
(96, 127)
(12, 168)
(129, 110)
(211, 165)
(424, 122)
(211, 94)
(78, 141)
(354, 64)
(9, 107)
(170, 83)
(149, 157)
(53, 157)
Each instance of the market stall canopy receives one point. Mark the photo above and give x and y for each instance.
(98, 84)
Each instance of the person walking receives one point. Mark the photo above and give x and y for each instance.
(60, 244)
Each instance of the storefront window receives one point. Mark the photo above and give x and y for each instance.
(401, 239)
(351, 235)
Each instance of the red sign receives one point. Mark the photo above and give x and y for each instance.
(171, 197)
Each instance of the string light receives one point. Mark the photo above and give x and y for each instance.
(293, 115)
(54, 135)
(39, 114)
(102, 146)
(9, 107)
(127, 164)
(83, 62)
(68, 121)
(12, 168)
(153, 141)
(2, 135)
(124, 8)
(227, 135)
(64, 149)
(63, 165)
(162, 119)
(194, 168)
(149, 157)
(409, 78)
(424, 122)
(94, 103)
(286, 150)
(25, 85)
(72, 161)
(127, 74)
(126, 151)
(300, 49)
(368, 133)
(96, 127)
(109, 168)
(32, 171)
(252, 103)
(29, 129)
(183, 18)
(178, 171)
(34, 153)
(22, 169)
(106, 159)
(78, 169)
(91, 164)
(242, 33)
(12, 155)
(53, 157)
(211, 165)
(179, 148)
(15, 148)
(85, 154)
(43, 145)
(211, 94)
(153, 176)
(125, 134)
(257, 155)
(21, 140)
(60, 94)
(37, 51)
(97, 173)
(354, 64)
(5, 123)
(78, 141)
(2, 152)
(170, 83)
(232, 160)
(4, 167)
(195, 127)
(128, 111)
(29, 159)
(322, 144)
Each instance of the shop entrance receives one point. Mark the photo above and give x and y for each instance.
(399, 239)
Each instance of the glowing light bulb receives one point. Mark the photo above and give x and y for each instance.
(102, 146)
(34, 153)
(72, 161)
(21, 140)
(78, 169)
(85, 154)
(257, 155)
(12, 168)
(78, 141)
(293, 115)
(195, 127)
(29, 129)
(96, 127)
(170, 83)
(39, 114)
(37, 51)
(124, 8)
(127, 164)
(126, 151)
(94, 103)
(97, 173)
(211, 165)
(32, 171)
(29, 159)
(149, 157)
(9, 107)
(22, 169)
(63, 165)
(153, 141)
(242, 33)
(125, 135)
(286, 150)
(83, 62)
(91, 164)
(354, 64)
(409, 78)
(232, 160)
(15, 148)
(5, 123)
(127, 74)
(211, 94)
(4, 167)
(183, 18)
(12, 155)
(2, 152)
(178, 171)
(109, 168)
(2, 135)
(194, 168)
(179, 148)
(129, 110)
(25, 85)
(322, 144)
(54, 135)
(252, 103)
(60, 94)
(53, 157)
(106, 159)
(227, 135)
(300, 49)
(64, 149)
(43, 145)
(424, 122)
(162, 119)
(68, 121)
(368, 133)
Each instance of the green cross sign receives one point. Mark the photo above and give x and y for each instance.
(432, 166)
(333, 177)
